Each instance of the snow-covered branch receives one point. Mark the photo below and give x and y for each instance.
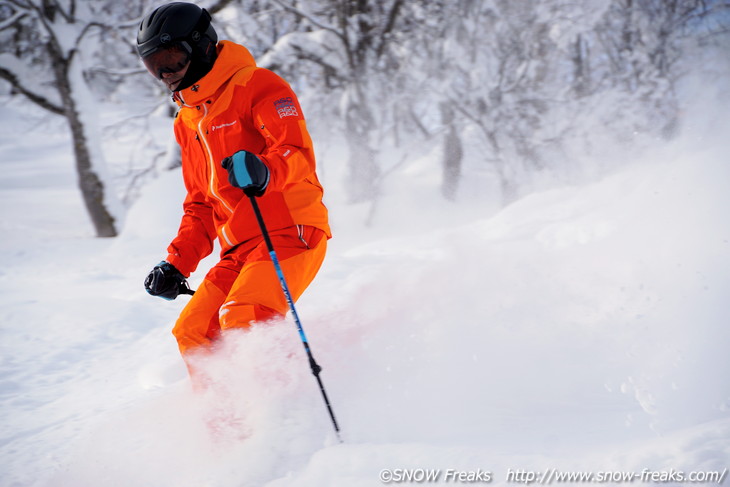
(218, 6)
(118, 71)
(16, 17)
(51, 7)
(34, 97)
(310, 18)
(15, 73)
(389, 25)
(24, 5)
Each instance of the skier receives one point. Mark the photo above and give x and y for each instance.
(241, 131)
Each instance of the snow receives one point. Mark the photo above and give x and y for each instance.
(582, 328)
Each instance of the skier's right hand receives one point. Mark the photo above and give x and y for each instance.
(248, 172)
(166, 282)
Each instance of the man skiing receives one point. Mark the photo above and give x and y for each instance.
(241, 131)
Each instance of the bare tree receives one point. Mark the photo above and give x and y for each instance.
(358, 35)
(643, 42)
(46, 37)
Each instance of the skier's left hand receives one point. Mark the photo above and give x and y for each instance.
(166, 282)
(246, 171)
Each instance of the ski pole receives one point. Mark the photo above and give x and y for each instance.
(316, 369)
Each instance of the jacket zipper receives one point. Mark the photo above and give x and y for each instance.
(211, 165)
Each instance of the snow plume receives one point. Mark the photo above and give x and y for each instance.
(256, 412)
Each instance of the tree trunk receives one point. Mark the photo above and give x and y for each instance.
(91, 186)
(363, 169)
(580, 67)
(453, 153)
(509, 190)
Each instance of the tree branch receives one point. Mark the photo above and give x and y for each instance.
(132, 23)
(311, 19)
(10, 21)
(86, 29)
(118, 72)
(22, 5)
(392, 16)
(218, 6)
(329, 69)
(34, 97)
(57, 8)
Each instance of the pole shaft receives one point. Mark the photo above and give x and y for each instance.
(316, 369)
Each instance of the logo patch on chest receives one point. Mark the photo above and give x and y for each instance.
(223, 125)
(285, 107)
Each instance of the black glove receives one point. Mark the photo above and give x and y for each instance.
(166, 282)
(246, 171)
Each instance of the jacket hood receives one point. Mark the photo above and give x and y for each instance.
(231, 58)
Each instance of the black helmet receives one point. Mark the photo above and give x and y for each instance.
(182, 25)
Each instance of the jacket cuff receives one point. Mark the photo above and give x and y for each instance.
(179, 264)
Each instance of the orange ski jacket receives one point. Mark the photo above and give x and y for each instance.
(239, 106)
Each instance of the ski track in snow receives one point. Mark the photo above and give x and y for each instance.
(581, 328)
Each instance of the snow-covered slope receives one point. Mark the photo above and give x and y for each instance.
(581, 329)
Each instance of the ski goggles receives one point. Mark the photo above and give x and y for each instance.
(169, 60)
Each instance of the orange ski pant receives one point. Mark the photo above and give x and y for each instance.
(244, 288)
